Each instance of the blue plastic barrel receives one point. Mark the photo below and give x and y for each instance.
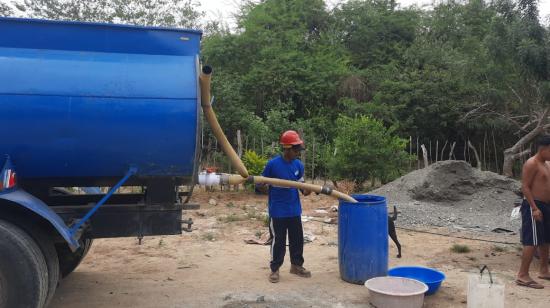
(363, 238)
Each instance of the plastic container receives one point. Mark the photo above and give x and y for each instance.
(84, 101)
(363, 238)
(485, 291)
(431, 277)
(396, 292)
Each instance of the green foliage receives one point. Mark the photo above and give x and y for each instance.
(173, 13)
(375, 31)
(254, 162)
(282, 66)
(294, 65)
(366, 149)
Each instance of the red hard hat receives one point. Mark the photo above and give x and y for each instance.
(290, 138)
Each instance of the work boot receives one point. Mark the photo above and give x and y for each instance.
(300, 271)
(274, 277)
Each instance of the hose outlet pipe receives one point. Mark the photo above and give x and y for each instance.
(210, 179)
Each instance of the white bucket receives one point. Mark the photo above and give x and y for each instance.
(484, 292)
(396, 292)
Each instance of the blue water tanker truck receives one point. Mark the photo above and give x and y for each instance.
(86, 105)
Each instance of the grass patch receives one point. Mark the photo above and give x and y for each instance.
(230, 205)
(231, 218)
(460, 248)
(499, 248)
(258, 234)
(208, 236)
(255, 215)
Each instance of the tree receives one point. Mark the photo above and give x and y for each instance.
(169, 13)
(367, 150)
(282, 66)
(375, 31)
(518, 77)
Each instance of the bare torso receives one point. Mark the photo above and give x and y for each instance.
(540, 187)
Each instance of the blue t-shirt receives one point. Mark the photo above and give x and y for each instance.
(284, 202)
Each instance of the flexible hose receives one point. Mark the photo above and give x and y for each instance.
(236, 162)
(234, 179)
(314, 188)
(204, 80)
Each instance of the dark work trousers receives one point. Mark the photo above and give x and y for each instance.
(279, 228)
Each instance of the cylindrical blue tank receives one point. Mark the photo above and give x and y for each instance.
(80, 103)
(363, 238)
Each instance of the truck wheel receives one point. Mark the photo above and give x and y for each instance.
(68, 260)
(44, 240)
(47, 247)
(23, 269)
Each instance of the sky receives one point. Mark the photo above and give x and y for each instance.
(224, 9)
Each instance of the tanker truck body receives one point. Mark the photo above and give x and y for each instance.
(87, 105)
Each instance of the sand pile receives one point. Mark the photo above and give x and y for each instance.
(453, 194)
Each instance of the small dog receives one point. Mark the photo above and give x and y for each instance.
(391, 230)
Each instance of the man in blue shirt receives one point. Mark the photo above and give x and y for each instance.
(285, 208)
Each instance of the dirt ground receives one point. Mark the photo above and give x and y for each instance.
(213, 267)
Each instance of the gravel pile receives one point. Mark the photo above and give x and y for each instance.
(453, 194)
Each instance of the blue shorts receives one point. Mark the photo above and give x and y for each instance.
(535, 233)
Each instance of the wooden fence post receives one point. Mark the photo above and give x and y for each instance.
(313, 162)
(443, 149)
(451, 152)
(239, 144)
(436, 150)
(470, 145)
(496, 153)
(417, 160)
(425, 155)
(410, 151)
(430, 157)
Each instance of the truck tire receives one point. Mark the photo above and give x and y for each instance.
(68, 260)
(47, 247)
(23, 269)
(44, 240)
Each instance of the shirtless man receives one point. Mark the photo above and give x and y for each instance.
(535, 214)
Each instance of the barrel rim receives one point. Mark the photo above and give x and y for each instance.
(366, 199)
